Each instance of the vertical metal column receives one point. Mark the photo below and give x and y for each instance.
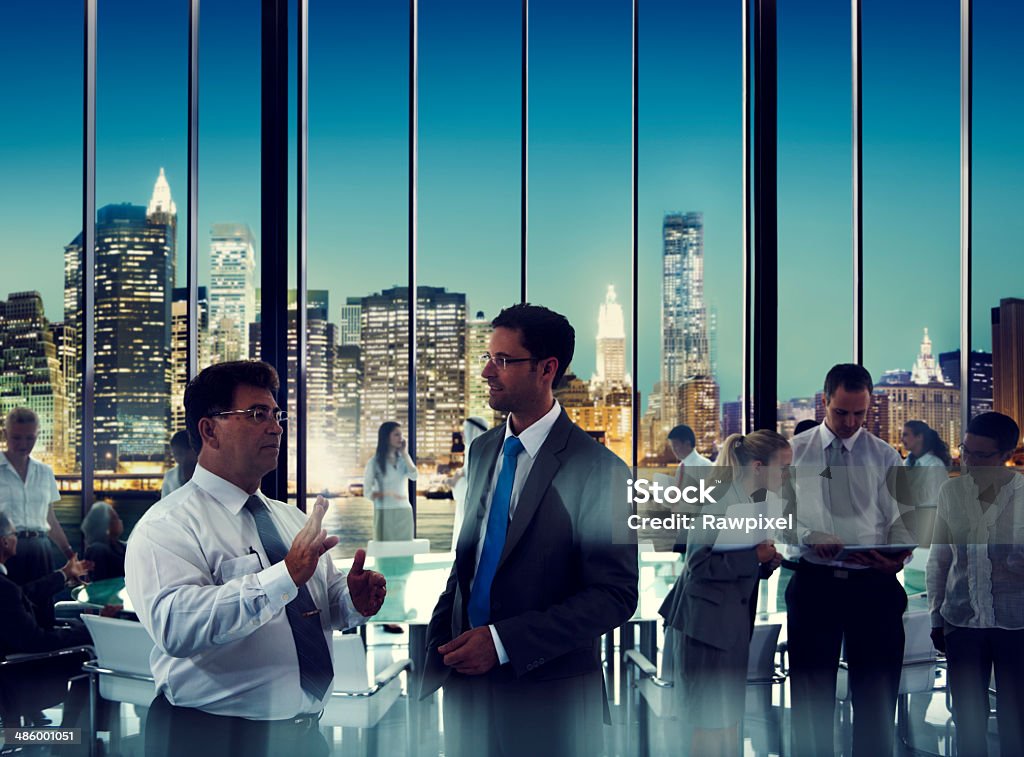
(766, 243)
(274, 216)
(858, 179)
(524, 163)
(746, 362)
(301, 297)
(192, 222)
(635, 399)
(87, 296)
(413, 279)
(966, 194)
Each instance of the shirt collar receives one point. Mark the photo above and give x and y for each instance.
(222, 490)
(535, 436)
(3, 569)
(695, 458)
(827, 436)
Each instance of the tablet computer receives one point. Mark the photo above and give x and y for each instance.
(889, 550)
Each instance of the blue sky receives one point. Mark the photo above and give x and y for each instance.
(468, 236)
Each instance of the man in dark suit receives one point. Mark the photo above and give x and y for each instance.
(544, 563)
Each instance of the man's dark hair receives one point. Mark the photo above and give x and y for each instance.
(683, 433)
(545, 333)
(850, 376)
(804, 425)
(180, 440)
(1000, 428)
(213, 390)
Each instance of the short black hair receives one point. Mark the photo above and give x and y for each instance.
(850, 376)
(683, 433)
(180, 440)
(545, 333)
(213, 390)
(1001, 428)
(804, 425)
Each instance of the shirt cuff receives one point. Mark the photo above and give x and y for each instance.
(352, 617)
(278, 586)
(498, 646)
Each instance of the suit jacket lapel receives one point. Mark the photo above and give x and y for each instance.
(541, 474)
(476, 494)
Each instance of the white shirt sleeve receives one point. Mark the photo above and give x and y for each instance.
(498, 646)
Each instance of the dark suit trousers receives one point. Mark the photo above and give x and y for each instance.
(971, 654)
(864, 609)
(499, 716)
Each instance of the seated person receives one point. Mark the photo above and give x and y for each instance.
(101, 530)
(43, 683)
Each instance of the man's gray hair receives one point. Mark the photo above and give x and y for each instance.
(5, 523)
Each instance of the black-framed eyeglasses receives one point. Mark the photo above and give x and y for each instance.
(501, 362)
(258, 415)
(964, 452)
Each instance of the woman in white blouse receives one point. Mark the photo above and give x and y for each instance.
(976, 586)
(926, 469)
(386, 484)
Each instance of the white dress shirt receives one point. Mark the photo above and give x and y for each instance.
(27, 503)
(172, 480)
(976, 568)
(929, 474)
(873, 516)
(533, 439)
(394, 484)
(695, 459)
(202, 585)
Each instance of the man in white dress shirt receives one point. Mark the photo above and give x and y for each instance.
(683, 442)
(242, 623)
(842, 499)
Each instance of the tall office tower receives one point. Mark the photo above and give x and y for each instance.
(732, 418)
(699, 409)
(478, 334)
(134, 275)
(65, 341)
(684, 329)
(610, 372)
(348, 382)
(980, 373)
(938, 405)
(30, 374)
(232, 289)
(441, 367)
(348, 324)
(926, 369)
(1008, 358)
(179, 377)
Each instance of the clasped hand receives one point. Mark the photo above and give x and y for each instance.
(471, 653)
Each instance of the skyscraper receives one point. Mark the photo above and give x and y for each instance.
(134, 281)
(980, 374)
(478, 334)
(1008, 358)
(441, 366)
(30, 374)
(684, 329)
(926, 369)
(348, 324)
(179, 350)
(610, 371)
(232, 289)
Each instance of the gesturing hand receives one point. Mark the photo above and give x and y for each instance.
(309, 544)
(366, 587)
(74, 569)
(471, 653)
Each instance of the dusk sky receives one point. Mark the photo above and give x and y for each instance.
(690, 156)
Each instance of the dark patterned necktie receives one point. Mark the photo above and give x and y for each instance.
(315, 669)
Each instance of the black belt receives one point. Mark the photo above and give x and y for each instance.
(845, 574)
(32, 534)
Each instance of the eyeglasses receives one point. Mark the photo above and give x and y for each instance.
(964, 452)
(259, 415)
(501, 362)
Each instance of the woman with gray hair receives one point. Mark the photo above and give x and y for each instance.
(102, 529)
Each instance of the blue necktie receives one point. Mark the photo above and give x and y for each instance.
(494, 538)
(315, 669)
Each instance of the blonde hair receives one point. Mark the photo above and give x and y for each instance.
(739, 450)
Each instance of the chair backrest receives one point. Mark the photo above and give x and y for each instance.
(761, 659)
(122, 645)
(397, 548)
(917, 628)
(349, 662)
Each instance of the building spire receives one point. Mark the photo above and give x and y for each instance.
(926, 369)
(161, 201)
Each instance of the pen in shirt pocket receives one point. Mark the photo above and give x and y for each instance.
(252, 551)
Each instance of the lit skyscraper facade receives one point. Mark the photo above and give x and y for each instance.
(610, 371)
(348, 324)
(232, 289)
(980, 376)
(30, 374)
(179, 350)
(478, 334)
(1008, 358)
(134, 279)
(684, 338)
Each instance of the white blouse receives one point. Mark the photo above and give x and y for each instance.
(393, 484)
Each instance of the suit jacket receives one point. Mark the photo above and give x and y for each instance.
(20, 633)
(711, 600)
(568, 571)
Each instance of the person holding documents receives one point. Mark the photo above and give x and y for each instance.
(707, 616)
(241, 620)
(845, 586)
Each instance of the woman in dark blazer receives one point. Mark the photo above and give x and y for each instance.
(707, 617)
